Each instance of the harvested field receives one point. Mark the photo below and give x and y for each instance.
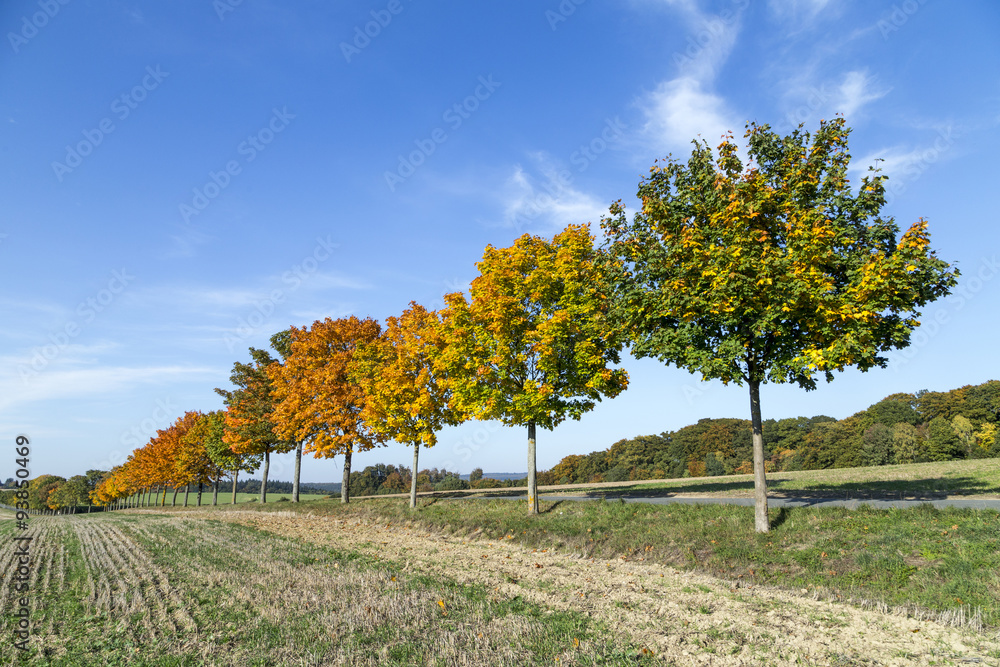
(166, 590)
(679, 617)
(253, 587)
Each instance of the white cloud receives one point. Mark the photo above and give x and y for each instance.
(681, 110)
(52, 384)
(857, 90)
(548, 203)
(797, 10)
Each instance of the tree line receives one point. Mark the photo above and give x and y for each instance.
(902, 428)
(770, 270)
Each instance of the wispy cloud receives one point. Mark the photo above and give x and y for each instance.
(798, 11)
(547, 202)
(681, 110)
(80, 383)
(858, 89)
(685, 107)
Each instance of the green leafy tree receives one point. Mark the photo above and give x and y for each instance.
(943, 444)
(876, 447)
(908, 446)
(210, 431)
(773, 271)
(74, 491)
(532, 346)
(250, 426)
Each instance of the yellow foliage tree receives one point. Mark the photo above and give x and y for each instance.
(532, 346)
(406, 394)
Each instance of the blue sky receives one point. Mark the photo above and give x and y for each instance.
(181, 180)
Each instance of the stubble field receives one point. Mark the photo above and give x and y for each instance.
(324, 585)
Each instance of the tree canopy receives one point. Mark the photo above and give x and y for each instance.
(774, 270)
(532, 346)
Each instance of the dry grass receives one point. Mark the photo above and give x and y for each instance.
(127, 590)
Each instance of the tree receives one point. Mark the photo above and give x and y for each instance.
(406, 393)
(943, 444)
(39, 490)
(250, 425)
(876, 447)
(316, 402)
(212, 430)
(966, 434)
(532, 346)
(197, 445)
(476, 475)
(770, 273)
(907, 444)
(74, 491)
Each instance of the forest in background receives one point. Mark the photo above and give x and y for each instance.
(901, 428)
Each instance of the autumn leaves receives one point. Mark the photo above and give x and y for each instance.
(773, 270)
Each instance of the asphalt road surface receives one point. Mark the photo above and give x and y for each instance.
(804, 501)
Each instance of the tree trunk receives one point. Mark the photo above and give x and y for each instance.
(761, 522)
(345, 484)
(532, 482)
(187, 490)
(173, 503)
(200, 487)
(298, 471)
(263, 481)
(236, 476)
(413, 480)
(215, 492)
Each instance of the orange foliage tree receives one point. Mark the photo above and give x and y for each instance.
(315, 400)
(250, 426)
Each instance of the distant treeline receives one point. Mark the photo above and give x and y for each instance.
(386, 478)
(253, 486)
(902, 428)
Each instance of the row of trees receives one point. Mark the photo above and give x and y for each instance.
(55, 492)
(774, 270)
(902, 428)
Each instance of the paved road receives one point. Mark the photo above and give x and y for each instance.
(805, 501)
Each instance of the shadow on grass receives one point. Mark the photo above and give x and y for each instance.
(928, 488)
(780, 518)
